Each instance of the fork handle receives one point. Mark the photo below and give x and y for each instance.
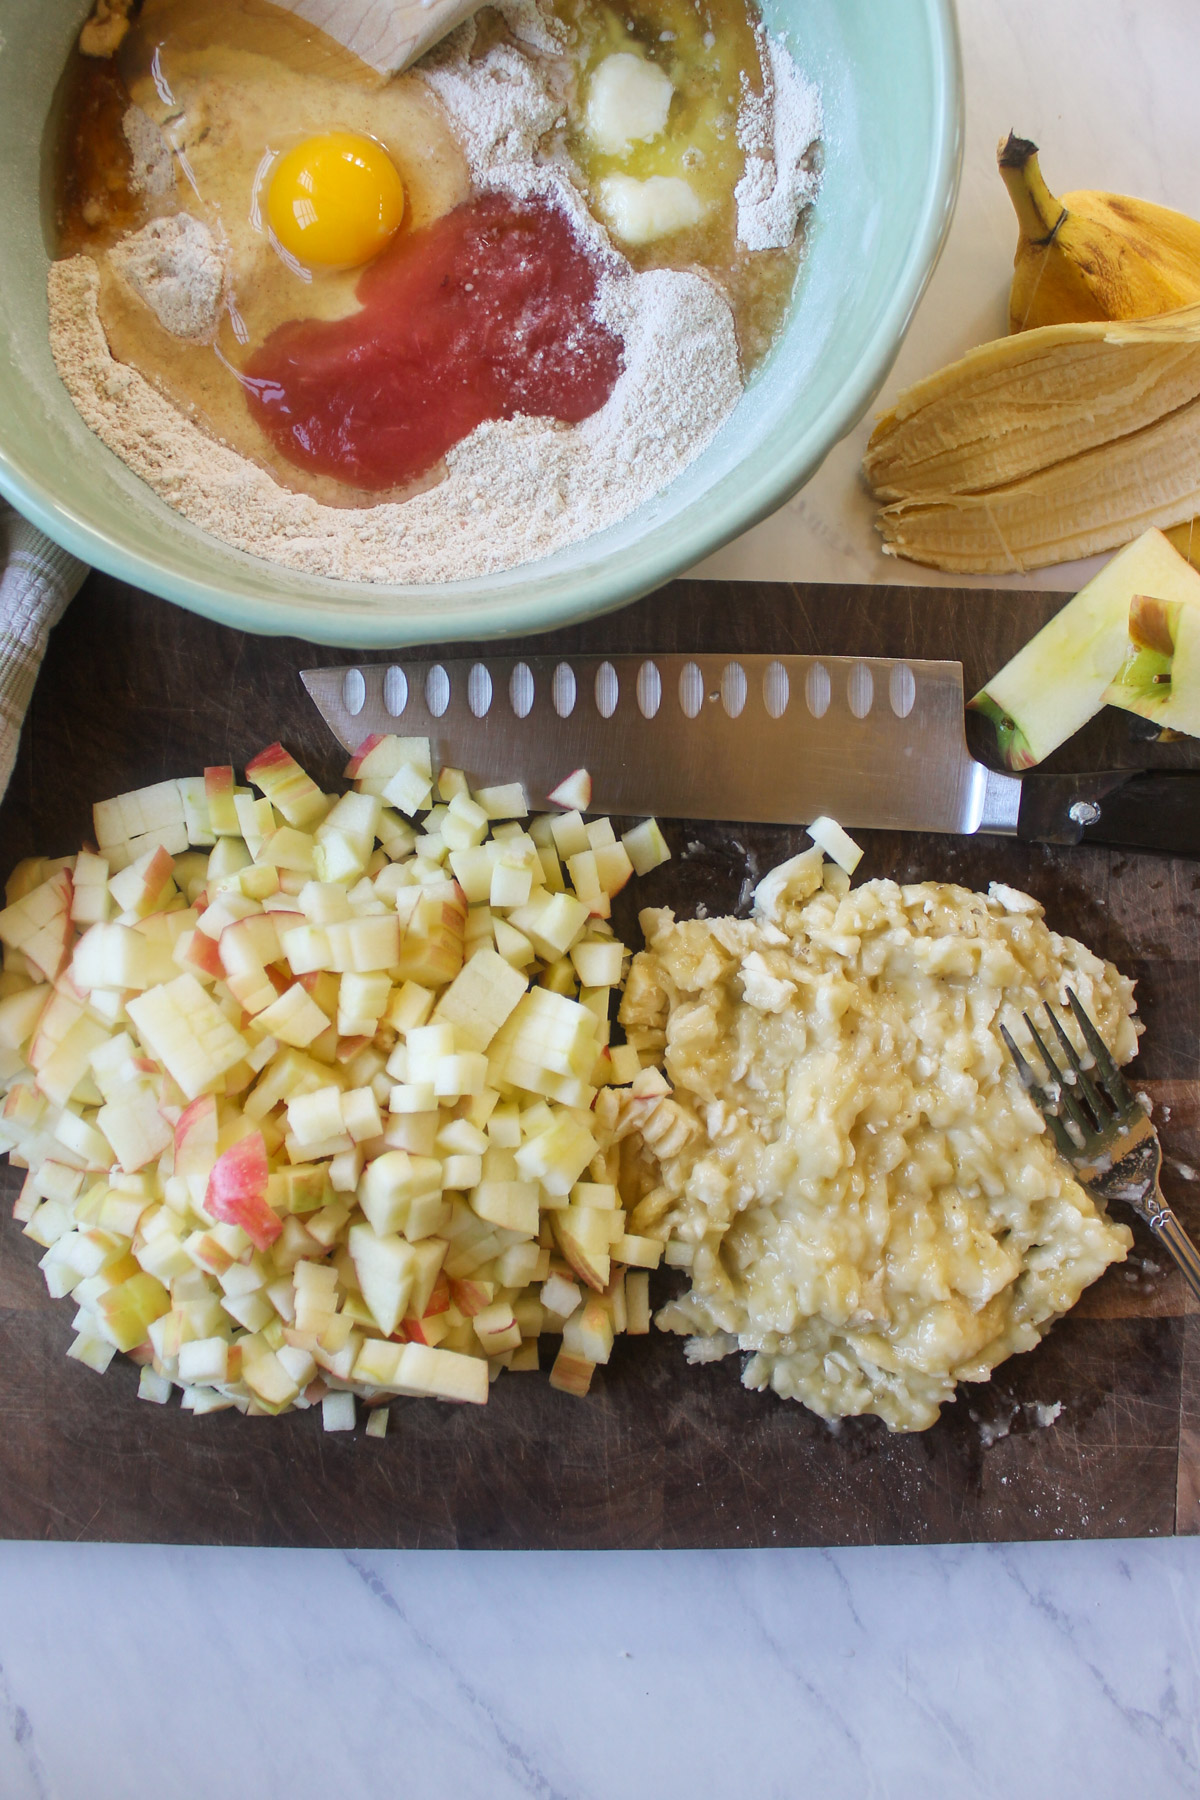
(1167, 1228)
(1130, 809)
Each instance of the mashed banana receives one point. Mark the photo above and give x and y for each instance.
(873, 1205)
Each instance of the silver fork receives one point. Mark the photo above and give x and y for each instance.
(1103, 1130)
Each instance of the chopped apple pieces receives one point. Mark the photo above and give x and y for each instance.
(308, 1094)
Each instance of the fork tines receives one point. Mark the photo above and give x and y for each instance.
(1114, 1082)
(1060, 1099)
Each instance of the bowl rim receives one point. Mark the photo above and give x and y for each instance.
(593, 591)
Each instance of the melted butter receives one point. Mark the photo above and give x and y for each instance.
(708, 49)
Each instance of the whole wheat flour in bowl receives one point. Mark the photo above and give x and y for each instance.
(150, 313)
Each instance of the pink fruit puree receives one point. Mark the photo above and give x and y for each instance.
(485, 314)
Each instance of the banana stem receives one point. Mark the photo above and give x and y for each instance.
(1039, 213)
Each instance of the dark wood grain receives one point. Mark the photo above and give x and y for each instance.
(660, 1455)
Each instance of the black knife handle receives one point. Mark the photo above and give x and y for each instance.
(1131, 809)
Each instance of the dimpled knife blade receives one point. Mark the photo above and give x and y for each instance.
(874, 742)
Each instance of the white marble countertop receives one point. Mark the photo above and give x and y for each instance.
(1041, 1671)
(1029, 1672)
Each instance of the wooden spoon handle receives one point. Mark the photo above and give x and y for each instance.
(386, 34)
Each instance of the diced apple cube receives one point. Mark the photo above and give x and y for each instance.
(315, 1116)
(237, 1191)
(189, 1034)
(385, 1266)
(517, 1266)
(582, 1235)
(127, 1310)
(90, 900)
(647, 846)
(196, 821)
(507, 801)
(293, 1018)
(573, 793)
(377, 758)
(572, 1374)
(637, 1252)
(408, 790)
(134, 1126)
(626, 1064)
(588, 1333)
(364, 946)
(145, 885)
(836, 843)
(290, 790)
(204, 1359)
(265, 1375)
(444, 1374)
(496, 1328)
(362, 1002)
(378, 1363)
(560, 1297)
(555, 926)
(466, 1072)
(480, 998)
(391, 1184)
(513, 1205)
(598, 962)
(136, 813)
(39, 924)
(511, 884)
(557, 1157)
(154, 1387)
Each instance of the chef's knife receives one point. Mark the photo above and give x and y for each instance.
(877, 743)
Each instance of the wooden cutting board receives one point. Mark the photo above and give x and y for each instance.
(660, 1454)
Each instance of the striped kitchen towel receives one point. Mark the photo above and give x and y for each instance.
(36, 581)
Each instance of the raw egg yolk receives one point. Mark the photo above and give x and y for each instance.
(335, 199)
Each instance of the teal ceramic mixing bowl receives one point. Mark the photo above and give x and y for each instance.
(891, 88)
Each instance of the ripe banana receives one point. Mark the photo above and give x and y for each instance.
(1092, 255)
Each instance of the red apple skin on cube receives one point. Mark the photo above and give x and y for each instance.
(48, 949)
(218, 792)
(439, 1300)
(158, 873)
(575, 793)
(594, 1274)
(203, 954)
(273, 760)
(237, 1191)
(361, 754)
(410, 1331)
(470, 1297)
(196, 1136)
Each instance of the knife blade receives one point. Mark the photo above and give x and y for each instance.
(877, 743)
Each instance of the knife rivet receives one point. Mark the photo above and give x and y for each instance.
(1084, 812)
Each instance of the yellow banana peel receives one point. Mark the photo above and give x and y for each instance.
(1058, 443)
(1082, 428)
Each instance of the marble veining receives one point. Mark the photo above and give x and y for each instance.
(1017, 1672)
